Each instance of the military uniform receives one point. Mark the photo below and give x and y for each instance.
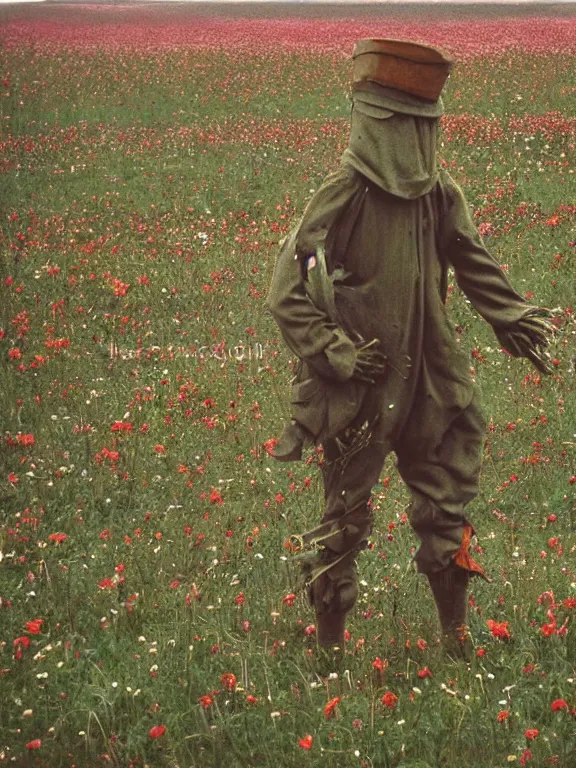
(369, 260)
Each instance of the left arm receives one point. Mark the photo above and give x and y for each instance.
(477, 273)
(521, 328)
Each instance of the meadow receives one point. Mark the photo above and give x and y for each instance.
(152, 159)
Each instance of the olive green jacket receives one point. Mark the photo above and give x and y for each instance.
(387, 259)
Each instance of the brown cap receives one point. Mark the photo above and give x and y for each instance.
(409, 67)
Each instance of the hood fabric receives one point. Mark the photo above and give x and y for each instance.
(393, 140)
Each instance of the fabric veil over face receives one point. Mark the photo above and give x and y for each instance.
(395, 150)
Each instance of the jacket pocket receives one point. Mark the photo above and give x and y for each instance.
(309, 405)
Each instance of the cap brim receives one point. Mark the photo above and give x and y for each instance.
(391, 100)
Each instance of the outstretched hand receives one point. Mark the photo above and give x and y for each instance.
(530, 338)
(370, 362)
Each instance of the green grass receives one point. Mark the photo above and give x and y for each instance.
(123, 176)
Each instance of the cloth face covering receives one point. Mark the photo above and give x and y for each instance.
(395, 151)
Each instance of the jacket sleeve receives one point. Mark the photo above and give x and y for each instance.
(306, 329)
(309, 332)
(477, 273)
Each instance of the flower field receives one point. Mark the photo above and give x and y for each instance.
(150, 612)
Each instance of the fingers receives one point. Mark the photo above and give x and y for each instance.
(368, 371)
(370, 365)
(375, 358)
(537, 329)
(525, 345)
(363, 346)
(512, 344)
(540, 327)
(539, 361)
(370, 362)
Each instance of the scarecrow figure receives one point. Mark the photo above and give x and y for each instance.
(359, 292)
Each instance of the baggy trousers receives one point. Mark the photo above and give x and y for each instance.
(441, 472)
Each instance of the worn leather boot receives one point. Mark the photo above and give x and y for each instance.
(330, 629)
(330, 637)
(450, 590)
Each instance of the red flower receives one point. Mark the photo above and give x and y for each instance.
(216, 497)
(251, 699)
(269, 446)
(306, 742)
(549, 628)
(121, 426)
(36, 744)
(288, 600)
(558, 704)
(499, 629)
(531, 733)
(34, 627)
(503, 716)
(228, 680)
(389, 699)
(331, 706)
(206, 701)
(156, 731)
(58, 538)
(425, 672)
(379, 664)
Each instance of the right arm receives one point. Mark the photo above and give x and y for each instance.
(306, 329)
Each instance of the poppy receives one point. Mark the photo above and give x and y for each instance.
(558, 704)
(389, 699)
(330, 707)
(36, 744)
(306, 742)
(34, 627)
(499, 629)
(58, 538)
(228, 680)
(425, 672)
